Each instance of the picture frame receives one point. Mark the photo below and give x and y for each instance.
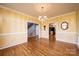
(64, 25)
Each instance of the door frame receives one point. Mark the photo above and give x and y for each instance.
(27, 29)
(55, 29)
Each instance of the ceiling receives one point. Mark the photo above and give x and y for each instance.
(49, 9)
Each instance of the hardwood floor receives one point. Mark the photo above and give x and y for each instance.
(41, 47)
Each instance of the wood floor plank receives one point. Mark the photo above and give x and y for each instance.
(41, 47)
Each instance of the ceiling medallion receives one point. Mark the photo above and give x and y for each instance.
(42, 17)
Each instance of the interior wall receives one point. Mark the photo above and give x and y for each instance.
(68, 35)
(77, 25)
(13, 27)
(44, 32)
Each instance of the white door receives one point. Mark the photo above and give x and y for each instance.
(38, 30)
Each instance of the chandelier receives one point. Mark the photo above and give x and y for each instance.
(42, 17)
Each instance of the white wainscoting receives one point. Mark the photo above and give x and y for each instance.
(78, 39)
(12, 39)
(45, 34)
(70, 37)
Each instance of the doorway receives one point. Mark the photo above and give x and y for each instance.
(52, 31)
(33, 31)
